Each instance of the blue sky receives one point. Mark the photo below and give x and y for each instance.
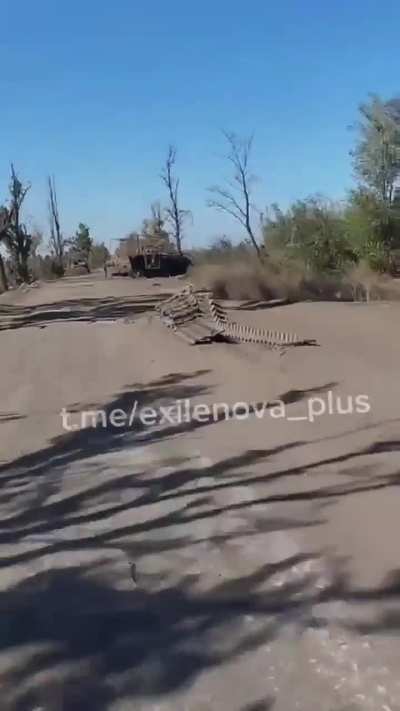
(93, 92)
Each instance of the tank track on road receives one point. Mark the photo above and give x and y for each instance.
(198, 318)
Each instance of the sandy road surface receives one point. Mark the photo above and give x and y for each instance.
(226, 564)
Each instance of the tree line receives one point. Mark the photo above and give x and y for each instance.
(21, 244)
(324, 235)
(365, 227)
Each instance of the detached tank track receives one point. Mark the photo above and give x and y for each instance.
(180, 308)
(183, 313)
(189, 305)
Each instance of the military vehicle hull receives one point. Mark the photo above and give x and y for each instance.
(159, 264)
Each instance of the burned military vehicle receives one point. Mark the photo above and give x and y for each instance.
(152, 254)
(151, 263)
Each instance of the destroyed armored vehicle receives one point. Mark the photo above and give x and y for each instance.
(151, 263)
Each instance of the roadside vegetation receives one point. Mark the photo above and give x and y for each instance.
(315, 248)
(25, 254)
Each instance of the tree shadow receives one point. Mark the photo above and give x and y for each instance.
(11, 417)
(93, 440)
(382, 603)
(74, 637)
(262, 705)
(80, 444)
(32, 480)
(292, 396)
(77, 635)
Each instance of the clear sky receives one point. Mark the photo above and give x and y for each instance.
(94, 91)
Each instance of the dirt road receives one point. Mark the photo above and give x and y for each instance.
(239, 558)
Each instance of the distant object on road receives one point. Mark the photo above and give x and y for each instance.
(148, 256)
(118, 266)
(152, 263)
(77, 266)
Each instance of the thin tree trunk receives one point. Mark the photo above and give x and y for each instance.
(23, 269)
(254, 242)
(248, 222)
(22, 265)
(178, 232)
(3, 275)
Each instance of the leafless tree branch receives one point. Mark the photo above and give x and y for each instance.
(224, 200)
(57, 243)
(174, 214)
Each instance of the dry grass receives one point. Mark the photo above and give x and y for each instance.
(249, 280)
(369, 286)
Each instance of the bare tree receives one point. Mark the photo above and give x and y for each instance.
(18, 240)
(175, 216)
(235, 199)
(57, 242)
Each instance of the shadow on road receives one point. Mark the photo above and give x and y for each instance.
(83, 644)
(70, 633)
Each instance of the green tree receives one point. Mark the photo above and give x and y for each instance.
(312, 231)
(372, 228)
(82, 242)
(376, 157)
(373, 214)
